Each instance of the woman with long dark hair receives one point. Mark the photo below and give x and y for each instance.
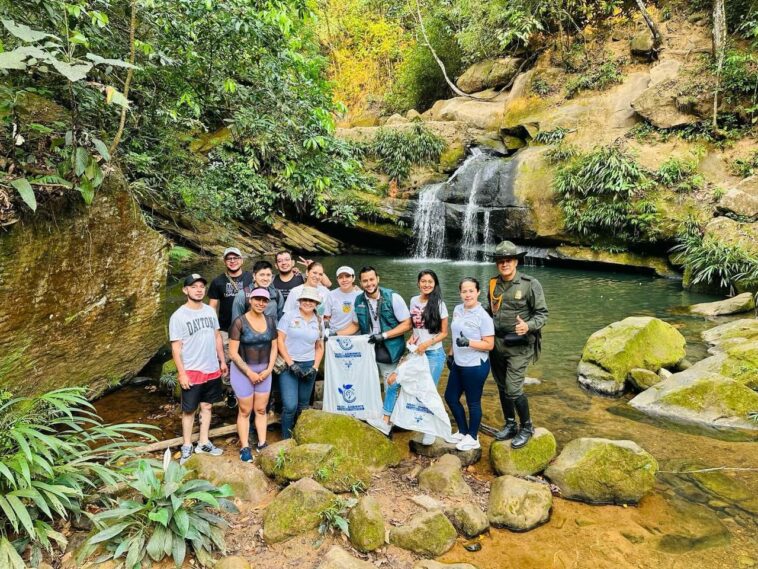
(429, 319)
(469, 362)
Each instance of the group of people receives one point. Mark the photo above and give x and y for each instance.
(277, 326)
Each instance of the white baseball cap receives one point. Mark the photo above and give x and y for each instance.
(345, 269)
(230, 250)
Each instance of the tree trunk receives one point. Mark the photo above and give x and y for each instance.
(657, 38)
(719, 50)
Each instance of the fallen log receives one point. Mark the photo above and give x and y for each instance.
(217, 432)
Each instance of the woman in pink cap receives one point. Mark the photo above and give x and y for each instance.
(252, 347)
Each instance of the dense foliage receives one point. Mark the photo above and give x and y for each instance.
(398, 150)
(710, 261)
(54, 452)
(224, 95)
(603, 194)
(167, 513)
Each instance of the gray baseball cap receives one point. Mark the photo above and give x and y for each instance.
(230, 250)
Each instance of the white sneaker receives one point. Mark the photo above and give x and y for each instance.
(454, 439)
(468, 443)
(428, 439)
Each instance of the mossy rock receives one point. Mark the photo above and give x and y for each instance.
(297, 509)
(274, 457)
(444, 477)
(746, 328)
(468, 519)
(741, 364)
(247, 481)
(366, 525)
(700, 397)
(635, 342)
(527, 460)
(451, 157)
(349, 436)
(603, 471)
(642, 379)
(302, 461)
(744, 302)
(340, 473)
(429, 534)
(519, 505)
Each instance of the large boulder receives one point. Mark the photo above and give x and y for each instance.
(700, 397)
(247, 482)
(429, 534)
(643, 45)
(741, 201)
(744, 302)
(295, 510)
(603, 471)
(444, 477)
(349, 436)
(338, 558)
(527, 460)
(440, 448)
(635, 342)
(665, 105)
(736, 331)
(468, 519)
(273, 458)
(366, 525)
(88, 276)
(489, 74)
(517, 504)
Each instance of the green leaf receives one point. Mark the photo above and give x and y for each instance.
(161, 516)
(24, 188)
(81, 159)
(52, 181)
(155, 543)
(181, 519)
(109, 532)
(113, 95)
(22, 513)
(13, 59)
(73, 73)
(25, 33)
(114, 62)
(102, 149)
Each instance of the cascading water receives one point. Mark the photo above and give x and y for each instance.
(470, 225)
(429, 224)
(486, 233)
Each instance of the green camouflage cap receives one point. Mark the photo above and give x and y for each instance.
(507, 249)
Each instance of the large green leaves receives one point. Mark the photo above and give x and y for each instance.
(24, 32)
(26, 192)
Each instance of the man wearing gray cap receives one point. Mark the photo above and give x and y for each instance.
(518, 309)
(224, 287)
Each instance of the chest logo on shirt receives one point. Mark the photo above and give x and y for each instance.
(518, 295)
(347, 392)
(345, 343)
(346, 307)
(296, 324)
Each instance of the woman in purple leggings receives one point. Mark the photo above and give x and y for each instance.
(252, 347)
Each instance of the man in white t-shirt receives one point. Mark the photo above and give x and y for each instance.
(338, 311)
(383, 314)
(198, 353)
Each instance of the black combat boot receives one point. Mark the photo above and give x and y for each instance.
(509, 410)
(527, 429)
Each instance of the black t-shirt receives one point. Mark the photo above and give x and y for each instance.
(286, 287)
(223, 288)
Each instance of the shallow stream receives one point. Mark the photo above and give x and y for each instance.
(697, 520)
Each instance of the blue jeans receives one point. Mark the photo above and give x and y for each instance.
(468, 380)
(390, 391)
(436, 359)
(296, 396)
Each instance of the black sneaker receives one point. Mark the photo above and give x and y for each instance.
(260, 447)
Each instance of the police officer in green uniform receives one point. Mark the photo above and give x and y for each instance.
(517, 305)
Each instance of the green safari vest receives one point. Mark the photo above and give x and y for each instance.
(387, 320)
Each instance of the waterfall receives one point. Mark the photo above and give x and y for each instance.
(470, 225)
(429, 224)
(486, 234)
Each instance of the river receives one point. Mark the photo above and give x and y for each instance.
(690, 521)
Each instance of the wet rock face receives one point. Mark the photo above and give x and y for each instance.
(603, 471)
(517, 504)
(87, 290)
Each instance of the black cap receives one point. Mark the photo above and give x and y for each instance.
(193, 278)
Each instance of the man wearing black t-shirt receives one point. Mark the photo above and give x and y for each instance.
(225, 286)
(288, 278)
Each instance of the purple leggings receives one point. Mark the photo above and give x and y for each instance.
(242, 385)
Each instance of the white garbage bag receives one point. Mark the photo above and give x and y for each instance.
(351, 379)
(419, 407)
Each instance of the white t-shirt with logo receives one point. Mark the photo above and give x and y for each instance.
(196, 329)
(339, 306)
(419, 330)
(399, 308)
(292, 304)
(301, 335)
(475, 324)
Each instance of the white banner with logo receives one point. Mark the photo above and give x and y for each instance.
(419, 407)
(351, 384)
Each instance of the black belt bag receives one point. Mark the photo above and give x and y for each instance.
(382, 353)
(513, 339)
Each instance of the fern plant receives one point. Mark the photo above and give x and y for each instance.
(167, 514)
(54, 452)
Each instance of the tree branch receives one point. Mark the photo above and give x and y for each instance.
(129, 74)
(657, 38)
